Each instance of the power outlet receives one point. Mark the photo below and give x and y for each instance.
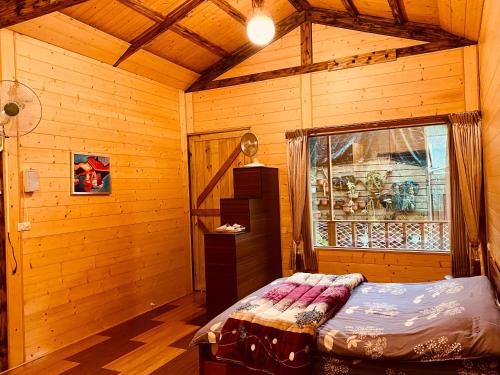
(24, 226)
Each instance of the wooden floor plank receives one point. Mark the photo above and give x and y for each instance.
(145, 359)
(188, 363)
(182, 313)
(156, 342)
(55, 363)
(167, 333)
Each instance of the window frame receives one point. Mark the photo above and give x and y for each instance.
(374, 126)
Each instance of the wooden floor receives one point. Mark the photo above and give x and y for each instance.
(153, 343)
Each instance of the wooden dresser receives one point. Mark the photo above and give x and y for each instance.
(238, 264)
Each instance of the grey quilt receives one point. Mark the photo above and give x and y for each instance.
(441, 320)
(448, 319)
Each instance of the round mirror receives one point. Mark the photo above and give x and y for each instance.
(249, 144)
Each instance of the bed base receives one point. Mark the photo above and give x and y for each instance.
(210, 366)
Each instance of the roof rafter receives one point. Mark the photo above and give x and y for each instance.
(397, 11)
(231, 11)
(199, 40)
(350, 7)
(244, 52)
(157, 17)
(384, 26)
(14, 11)
(300, 5)
(150, 34)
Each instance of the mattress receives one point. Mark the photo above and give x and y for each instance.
(453, 319)
(331, 365)
(432, 321)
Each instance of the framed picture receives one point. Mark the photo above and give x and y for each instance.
(91, 174)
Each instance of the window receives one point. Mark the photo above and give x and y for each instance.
(381, 189)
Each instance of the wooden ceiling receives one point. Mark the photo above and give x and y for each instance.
(207, 37)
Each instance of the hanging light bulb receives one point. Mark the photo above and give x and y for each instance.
(260, 27)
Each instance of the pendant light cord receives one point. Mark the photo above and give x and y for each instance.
(257, 3)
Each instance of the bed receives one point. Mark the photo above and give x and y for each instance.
(446, 327)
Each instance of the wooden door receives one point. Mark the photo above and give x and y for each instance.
(212, 158)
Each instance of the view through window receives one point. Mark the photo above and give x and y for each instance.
(381, 189)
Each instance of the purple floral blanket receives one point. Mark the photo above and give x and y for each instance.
(276, 332)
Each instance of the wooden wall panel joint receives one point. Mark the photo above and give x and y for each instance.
(471, 78)
(183, 122)
(306, 100)
(12, 203)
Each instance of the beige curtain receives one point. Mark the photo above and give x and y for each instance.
(299, 195)
(460, 262)
(466, 134)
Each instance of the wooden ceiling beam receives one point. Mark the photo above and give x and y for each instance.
(244, 52)
(199, 40)
(306, 45)
(141, 8)
(157, 17)
(397, 11)
(231, 11)
(350, 7)
(337, 64)
(15, 11)
(300, 5)
(331, 65)
(426, 48)
(150, 34)
(384, 26)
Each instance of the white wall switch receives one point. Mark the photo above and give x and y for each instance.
(24, 226)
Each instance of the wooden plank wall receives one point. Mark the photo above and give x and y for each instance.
(84, 39)
(386, 266)
(90, 262)
(412, 86)
(461, 17)
(489, 45)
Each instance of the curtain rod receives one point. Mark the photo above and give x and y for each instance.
(375, 125)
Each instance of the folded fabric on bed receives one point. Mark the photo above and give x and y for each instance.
(276, 332)
(434, 321)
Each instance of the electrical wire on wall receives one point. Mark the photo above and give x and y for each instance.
(21, 112)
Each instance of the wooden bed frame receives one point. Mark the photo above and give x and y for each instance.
(210, 366)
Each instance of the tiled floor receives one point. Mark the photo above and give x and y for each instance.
(153, 343)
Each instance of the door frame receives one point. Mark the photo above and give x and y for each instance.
(194, 212)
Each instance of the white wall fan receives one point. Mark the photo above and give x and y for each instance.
(20, 110)
(249, 146)
(20, 114)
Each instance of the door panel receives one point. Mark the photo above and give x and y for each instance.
(209, 155)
